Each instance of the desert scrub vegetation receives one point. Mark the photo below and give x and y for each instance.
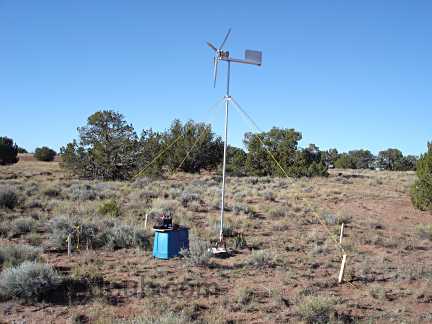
(424, 231)
(228, 227)
(335, 218)
(305, 254)
(8, 197)
(198, 254)
(14, 254)
(377, 292)
(278, 212)
(421, 192)
(22, 225)
(187, 198)
(122, 236)
(316, 309)
(81, 232)
(164, 318)
(240, 208)
(5, 229)
(163, 206)
(245, 296)
(262, 259)
(82, 192)
(109, 208)
(29, 281)
(100, 234)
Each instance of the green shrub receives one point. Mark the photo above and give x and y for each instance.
(240, 241)
(165, 318)
(29, 281)
(316, 309)
(425, 232)
(122, 236)
(242, 208)
(15, 254)
(421, 192)
(106, 234)
(45, 154)
(189, 197)
(278, 212)
(22, 225)
(8, 197)
(228, 229)
(261, 259)
(269, 196)
(329, 218)
(35, 238)
(199, 252)
(281, 145)
(377, 292)
(52, 192)
(207, 147)
(5, 229)
(109, 208)
(8, 151)
(236, 161)
(142, 239)
(82, 192)
(82, 233)
(245, 296)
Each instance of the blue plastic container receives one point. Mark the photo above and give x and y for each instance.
(167, 244)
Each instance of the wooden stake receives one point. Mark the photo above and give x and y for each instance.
(69, 247)
(341, 233)
(145, 222)
(342, 269)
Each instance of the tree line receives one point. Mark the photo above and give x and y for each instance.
(110, 149)
(391, 159)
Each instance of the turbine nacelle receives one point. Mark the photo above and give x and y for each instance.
(251, 57)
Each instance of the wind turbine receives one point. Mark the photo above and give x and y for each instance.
(251, 57)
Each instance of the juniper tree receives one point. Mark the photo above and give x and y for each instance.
(421, 193)
(107, 148)
(195, 147)
(8, 151)
(45, 154)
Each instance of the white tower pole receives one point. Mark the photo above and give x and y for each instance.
(227, 100)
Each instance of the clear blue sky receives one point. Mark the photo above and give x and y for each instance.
(347, 74)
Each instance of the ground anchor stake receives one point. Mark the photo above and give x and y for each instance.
(342, 269)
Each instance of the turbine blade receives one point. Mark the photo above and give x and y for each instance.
(212, 46)
(225, 39)
(215, 71)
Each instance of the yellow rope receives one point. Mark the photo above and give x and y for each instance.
(158, 156)
(189, 152)
(197, 140)
(313, 212)
(169, 147)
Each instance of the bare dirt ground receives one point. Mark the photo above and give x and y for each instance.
(284, 265)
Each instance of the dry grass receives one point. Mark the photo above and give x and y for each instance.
(285, 263)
